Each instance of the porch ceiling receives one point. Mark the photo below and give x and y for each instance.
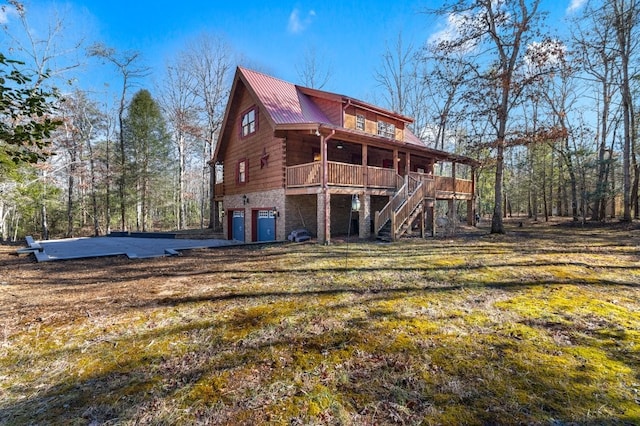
(362, 138)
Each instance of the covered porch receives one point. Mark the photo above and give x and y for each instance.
(382, 174)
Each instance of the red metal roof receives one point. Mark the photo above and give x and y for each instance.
(282, 100)
(287, 103)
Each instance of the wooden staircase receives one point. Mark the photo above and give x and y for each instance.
(396, 218)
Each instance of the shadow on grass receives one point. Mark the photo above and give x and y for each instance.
(364, 370)
(290, 361)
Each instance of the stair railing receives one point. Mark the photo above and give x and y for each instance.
(401, 206)
(407, 209)
(386, 214)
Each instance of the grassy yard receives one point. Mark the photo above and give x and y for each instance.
(539, 326)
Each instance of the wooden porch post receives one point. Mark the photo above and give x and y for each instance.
(365, 167)
(364, 219)
(396, 161)
(472, 207)
(453, 175)
(325, 205)
(407, 163)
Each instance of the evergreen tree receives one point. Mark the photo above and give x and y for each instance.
(147, 155)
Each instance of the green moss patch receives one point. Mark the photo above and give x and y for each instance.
(528, 329)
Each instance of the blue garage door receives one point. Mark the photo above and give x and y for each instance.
(266, 225)
(238, 225)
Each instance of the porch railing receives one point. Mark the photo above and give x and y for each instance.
(378, 177)
(304, 175)
(344, 174)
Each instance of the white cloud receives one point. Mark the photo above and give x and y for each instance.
(5, 12)
(575, 5)
(453, 31)
(297, 24)
(546, 55)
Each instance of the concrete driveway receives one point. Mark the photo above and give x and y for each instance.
(132, 247)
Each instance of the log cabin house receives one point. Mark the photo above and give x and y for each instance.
(291, 157)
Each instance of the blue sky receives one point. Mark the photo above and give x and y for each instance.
(272, 36)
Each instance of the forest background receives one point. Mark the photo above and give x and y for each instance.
(550, 113)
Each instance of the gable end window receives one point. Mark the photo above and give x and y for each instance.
(242, 171)
(360, 122)
(249, 122)
(387, 130)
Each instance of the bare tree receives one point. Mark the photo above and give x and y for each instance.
(592, 38)
(130, 69)
(395, 75)
(211, 65)
(445, 80)
(501, 29)
(46, 57)
(312, 72)
(81, 118)
(625, 14)
(46, 52)
(179, 103)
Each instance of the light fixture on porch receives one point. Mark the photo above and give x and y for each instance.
(245, 200)
(339, 145)
(355, 203)
(275, 211)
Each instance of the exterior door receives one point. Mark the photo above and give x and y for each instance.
(266, 225)
(238, 225)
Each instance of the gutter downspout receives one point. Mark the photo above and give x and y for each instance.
(344, 109)
(325, 183)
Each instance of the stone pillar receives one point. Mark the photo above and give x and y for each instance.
(364, 219)
(324, 217)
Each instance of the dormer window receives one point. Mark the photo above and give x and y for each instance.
(360, 122)
(387, 130)
(249, 122)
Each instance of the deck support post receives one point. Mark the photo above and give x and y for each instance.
(364, 219)
(432, 217)
(324, 215)
(422, 219)
(451, 213)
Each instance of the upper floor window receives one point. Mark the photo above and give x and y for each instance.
(360, 122)
(387, 130)
(249, 122)
(241, 172)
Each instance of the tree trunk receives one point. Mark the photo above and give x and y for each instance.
(497, 226)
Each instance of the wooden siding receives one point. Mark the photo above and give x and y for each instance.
(350, 118)
(261, 176)
(300, 149)
(332, 109)
(371, 121)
